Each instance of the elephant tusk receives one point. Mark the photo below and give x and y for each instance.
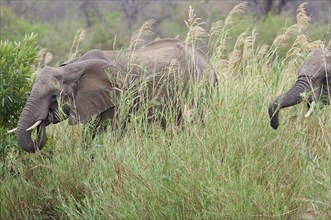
(34, 126)
(311, 109)
(11, 131)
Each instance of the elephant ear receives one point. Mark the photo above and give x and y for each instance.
(69, 61)
(91, 87)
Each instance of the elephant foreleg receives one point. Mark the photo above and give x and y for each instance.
(99, 124)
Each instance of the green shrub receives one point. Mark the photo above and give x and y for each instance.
(16, 63)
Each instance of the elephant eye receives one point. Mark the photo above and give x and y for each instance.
(53, 97)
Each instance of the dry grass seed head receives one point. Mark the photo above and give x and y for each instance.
(216, 28)
(302, 18)
(79, 37)
(299, 47)
(238, 9)
(215, 34)
(302, 22)
(262, 51)
(217, 45)
(41, 55)
(317, 44)
(249, 45)
(282, 39)
(234, 58)
(138, 38)
(236, 54)
(48, 58)
(240, 40)
(195, 30)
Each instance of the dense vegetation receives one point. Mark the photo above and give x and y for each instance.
(16, 64)
(231, 164)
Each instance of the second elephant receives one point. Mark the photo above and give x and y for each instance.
(314, 77)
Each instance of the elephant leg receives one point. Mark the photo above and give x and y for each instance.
(109, 114)
(105, 119)
(99, 124)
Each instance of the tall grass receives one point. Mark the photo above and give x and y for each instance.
(230, 164)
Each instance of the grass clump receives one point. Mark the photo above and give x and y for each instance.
(230, 165)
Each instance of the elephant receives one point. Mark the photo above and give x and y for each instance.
(314, 78)
(83, 86)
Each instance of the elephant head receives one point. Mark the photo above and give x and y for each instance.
(82, 86)
(314, 77)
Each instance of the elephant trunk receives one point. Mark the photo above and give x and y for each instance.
(24, 138)
(290, 98)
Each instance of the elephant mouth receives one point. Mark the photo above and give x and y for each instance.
(34, 138)
(40, 138)
(54, 116)
(38, 129)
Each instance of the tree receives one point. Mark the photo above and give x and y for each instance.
(131, 10)
(90, 10)
(263, 8)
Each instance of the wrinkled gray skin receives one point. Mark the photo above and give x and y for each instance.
(84, 87)
(314, 77)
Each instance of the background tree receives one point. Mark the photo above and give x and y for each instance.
(131, 9)
(90, 10)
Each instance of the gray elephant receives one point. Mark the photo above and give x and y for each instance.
(314, 78)
(83, 84)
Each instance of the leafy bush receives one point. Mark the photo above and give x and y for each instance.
(16, 63)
